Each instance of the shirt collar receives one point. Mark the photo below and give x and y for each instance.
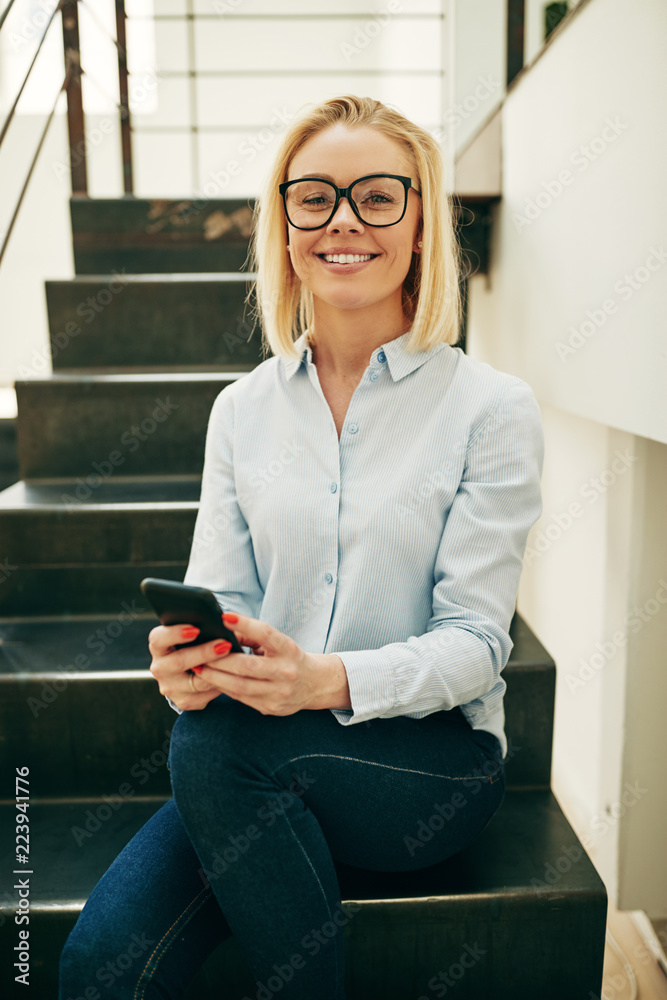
(393, 354)
(303, 349)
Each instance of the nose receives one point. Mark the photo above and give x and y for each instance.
(344, 217)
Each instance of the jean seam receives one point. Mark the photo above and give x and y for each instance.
(392, 767)
(324, 895)
(139, 989)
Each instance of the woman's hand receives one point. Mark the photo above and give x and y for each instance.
(172, 668)
(279, 679)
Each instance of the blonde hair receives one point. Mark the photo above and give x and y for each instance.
(431, 296)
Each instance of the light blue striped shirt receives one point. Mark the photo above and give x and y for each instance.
(398, 547)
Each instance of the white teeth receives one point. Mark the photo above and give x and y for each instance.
(346, 258)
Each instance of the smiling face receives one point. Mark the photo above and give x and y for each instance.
(342, 154)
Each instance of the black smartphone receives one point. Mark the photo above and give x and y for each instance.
(179, 603)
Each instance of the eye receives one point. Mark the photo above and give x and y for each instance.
(381, 194)
(379, 198)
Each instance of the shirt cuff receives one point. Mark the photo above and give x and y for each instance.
(370, 678)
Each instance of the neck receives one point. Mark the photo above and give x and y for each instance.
(342, 341)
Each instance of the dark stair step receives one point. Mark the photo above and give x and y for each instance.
(75, 547)
(82, 425)
(9, 459)
(523, 899)
(129, 320)
(72, 522)
(151, 236)
(78, 694)
(37, 591)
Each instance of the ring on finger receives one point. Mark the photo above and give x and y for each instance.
(192, 683)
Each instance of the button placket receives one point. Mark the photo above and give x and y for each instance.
(335, 514)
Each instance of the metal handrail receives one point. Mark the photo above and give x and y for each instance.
(75, 115)
(5, 12)
(8, 120)
(65, 83)
(125, 126)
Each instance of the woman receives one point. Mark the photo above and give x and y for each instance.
(366, 498)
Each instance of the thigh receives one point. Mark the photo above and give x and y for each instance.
(391, 795)
(406, 793)
(150, 921)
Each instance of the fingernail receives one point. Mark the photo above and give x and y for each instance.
(198, 670)
(229, 616)
(189, 632)
(222, 647)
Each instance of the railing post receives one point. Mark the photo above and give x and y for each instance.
(75, 118)
(125, 131)
(515, 42)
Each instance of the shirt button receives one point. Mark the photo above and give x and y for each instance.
(333, 487)
(328, 577)
(373, 376)
(352, 428)
(382, 357)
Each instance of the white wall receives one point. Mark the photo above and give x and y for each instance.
(567, 248)
(40, 246)
(579, 253)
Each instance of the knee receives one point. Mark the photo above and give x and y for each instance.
(194, 730)
(203, 743)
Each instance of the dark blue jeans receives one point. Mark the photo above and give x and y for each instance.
(262, 806)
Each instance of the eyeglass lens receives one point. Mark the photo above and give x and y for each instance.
(380, 201)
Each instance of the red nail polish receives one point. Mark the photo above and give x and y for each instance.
(229, 616)
(198, 670)
(222, 647)
(189, 632)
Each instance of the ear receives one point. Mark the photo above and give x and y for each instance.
(419, 237)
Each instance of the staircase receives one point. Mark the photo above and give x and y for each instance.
(111, 451)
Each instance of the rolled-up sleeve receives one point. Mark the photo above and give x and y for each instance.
(476, 577)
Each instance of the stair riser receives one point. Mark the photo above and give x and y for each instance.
(459, 943)
(529, 714)
(158, 258)
(154, 236)
(95, 428)
(121, 322)
(475, 949)
(78, 590)
(9, 464)
(76, 535)
(84, 737)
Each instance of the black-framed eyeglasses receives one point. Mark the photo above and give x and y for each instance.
(376, 200)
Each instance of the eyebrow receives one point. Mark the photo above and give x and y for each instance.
(317, 173)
